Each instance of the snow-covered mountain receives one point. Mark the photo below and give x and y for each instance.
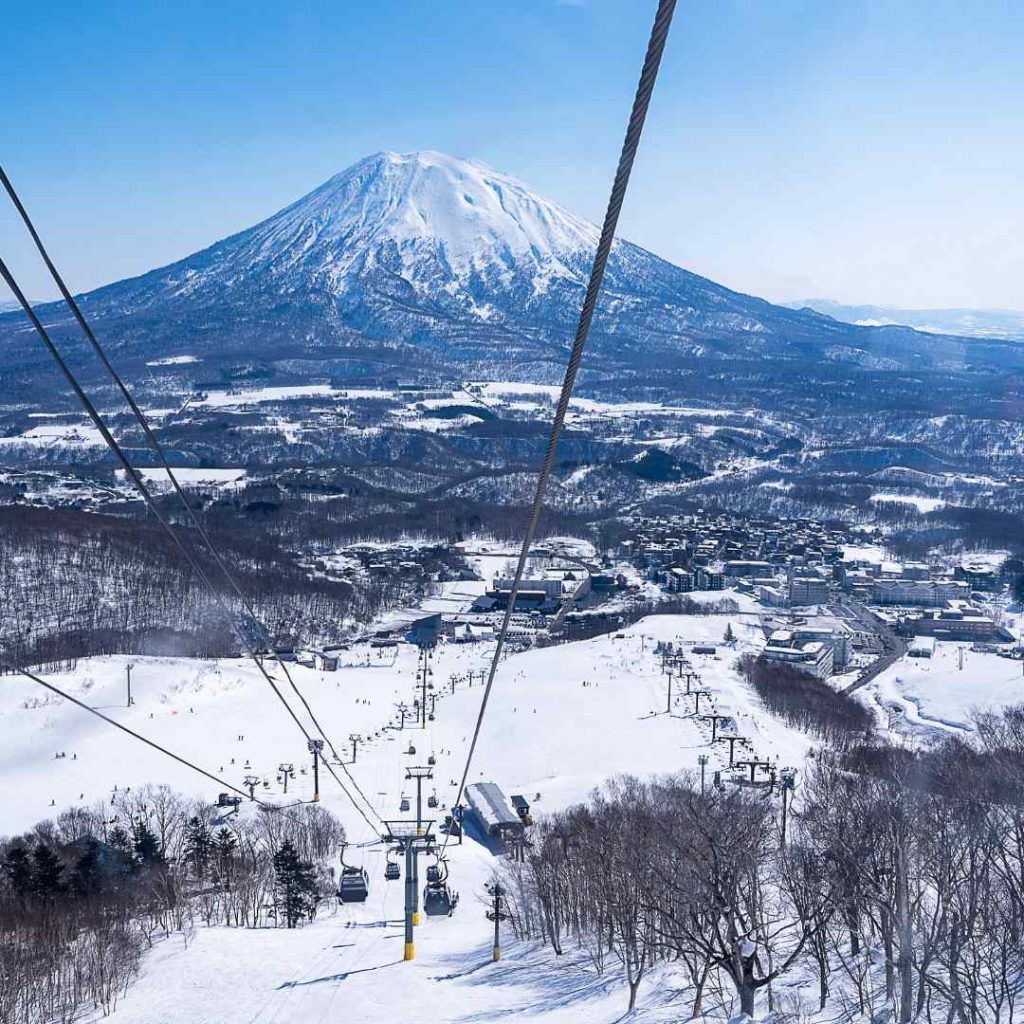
(426, 261)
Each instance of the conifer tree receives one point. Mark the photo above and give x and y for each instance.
(146, 845)
(198, 846)
(222, 848)
(86, 875)
(118, 839)
(18, 869)
(47, 874)
(294, 883)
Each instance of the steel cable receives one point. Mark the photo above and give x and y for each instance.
(136, 478)
(634, 129)
(156, 447)
(158, 450)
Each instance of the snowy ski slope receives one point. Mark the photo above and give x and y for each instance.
(545, 733)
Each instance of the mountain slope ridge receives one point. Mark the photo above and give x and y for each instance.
(445, 265)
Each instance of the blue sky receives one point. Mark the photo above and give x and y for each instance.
(863, 150)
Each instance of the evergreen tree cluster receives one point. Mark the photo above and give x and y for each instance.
(88, 889)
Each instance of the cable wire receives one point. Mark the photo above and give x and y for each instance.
(136, 478)
(265, 804)
(158, 450)
(11, 667)
(641, 102)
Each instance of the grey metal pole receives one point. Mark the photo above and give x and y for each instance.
(410, 901)
(415, 888)
(498, 893)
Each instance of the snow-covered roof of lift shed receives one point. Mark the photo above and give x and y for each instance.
(492, 807)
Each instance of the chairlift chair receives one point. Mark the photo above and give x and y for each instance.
(392, 872)
(431, 761)
(354, 884)
(404, 805)
(438, 901)
(432, 800)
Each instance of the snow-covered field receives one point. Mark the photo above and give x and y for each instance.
(936, 696)
(547, 735)
(192, 476)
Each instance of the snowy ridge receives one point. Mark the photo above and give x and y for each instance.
(423, 215)
(452, 265)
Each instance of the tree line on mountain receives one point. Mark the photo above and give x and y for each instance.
(891, 889)
(74, 584)
(82, 897)
(806, 701)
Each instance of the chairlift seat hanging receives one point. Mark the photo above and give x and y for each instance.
(433, 873)
(431, 800)
(404, 805)
(392, 872)
(431, 761)
(437, 901)
(354, 885)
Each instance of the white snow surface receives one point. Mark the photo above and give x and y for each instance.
(469, 215)
(174, 361)
(920, 501)
(545, 733)
(191, 475)
(932, 697)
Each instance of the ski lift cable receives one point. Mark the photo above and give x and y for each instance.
(641, 102)
(136, 478)
(158, 450)
(12, 667)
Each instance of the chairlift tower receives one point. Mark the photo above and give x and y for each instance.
(714, 719)
(251, 782)
(403, 710)
(418, 773)
(732, 741)
(497, 915)
(406, 837)
(696, 695)
(316, 749)
(754, 764)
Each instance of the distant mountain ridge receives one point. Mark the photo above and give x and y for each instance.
(972, 323)
(424, 263)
